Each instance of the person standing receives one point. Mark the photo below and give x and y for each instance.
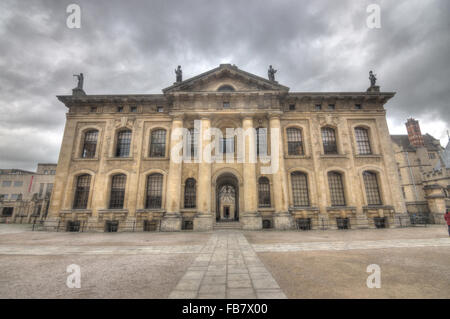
(447, 218)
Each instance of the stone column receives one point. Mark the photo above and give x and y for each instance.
(172, 218)
(250, 219)
(203, 220)
(282, 218)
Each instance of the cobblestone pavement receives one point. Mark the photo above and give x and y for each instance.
(227, 267)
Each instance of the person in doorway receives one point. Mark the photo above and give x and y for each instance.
(447, 218)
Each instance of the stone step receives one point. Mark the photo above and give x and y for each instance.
(228, 225)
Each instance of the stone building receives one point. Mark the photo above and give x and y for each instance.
(25, 195)
(253, 155)
(424, 170)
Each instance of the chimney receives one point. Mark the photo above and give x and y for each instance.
(414, 134)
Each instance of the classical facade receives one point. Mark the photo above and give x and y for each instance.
(25, 195)
(250, 154)
(424, 170)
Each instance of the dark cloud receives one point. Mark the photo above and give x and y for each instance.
(133, 46)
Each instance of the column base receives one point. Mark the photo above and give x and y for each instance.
(283, 221)
(438, 218)
(362, 222)
(203, 222)
(251, 221)
(171, 222)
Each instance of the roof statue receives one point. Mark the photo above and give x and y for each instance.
(271, 72)
(179, 74)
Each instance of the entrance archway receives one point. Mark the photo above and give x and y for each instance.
(227, 198)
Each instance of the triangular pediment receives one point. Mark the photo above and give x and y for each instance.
(226, 76)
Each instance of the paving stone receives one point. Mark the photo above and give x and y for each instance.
(270, 294)
(188, 284)
(265, 283)
(238, 277)
(183, 294)
(214, 280)
(212, 289)
(241, 293)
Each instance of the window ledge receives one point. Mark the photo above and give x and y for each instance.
(92, 159)
(119, 158)
(297, 157)
(368, 155)
(339, 208)
(305, 208)
(155, 158)
(376, 207)
(188, 210)
(76, 211)
(325, 156)
(150, 210)
(266, 209)
(113, 210)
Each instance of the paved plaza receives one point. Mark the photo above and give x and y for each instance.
(414, 262)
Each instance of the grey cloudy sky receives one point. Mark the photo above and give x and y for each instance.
(133, 47)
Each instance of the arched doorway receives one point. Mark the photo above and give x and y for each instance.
(227, 198)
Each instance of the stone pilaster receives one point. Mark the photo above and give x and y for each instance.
(172, 218)
(282, 218)
(250, 219)
(203, 220)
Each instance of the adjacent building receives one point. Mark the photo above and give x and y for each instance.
(323, 160)
(25, 195)
(424, 170)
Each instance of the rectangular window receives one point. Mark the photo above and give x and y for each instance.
(18, 184)
(160, 109)
(329, 141)
(49, 189)
(6, 183)
(154, 191)
(7, 211)
(14, 196)
(226, 105)
(133, 109)
(150, 225)
(120, 109)
(292, 107)
(226, 145)
(73, 226)
(41, 189)
(111, 226)
(331, 107)
(295, 144)
(93, 109)
(342, 223)
(318, 107)
(432, 155)
(336, 189)
(304, 223)
(358, 106)
(300, 192)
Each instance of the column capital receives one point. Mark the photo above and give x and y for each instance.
(274, 116)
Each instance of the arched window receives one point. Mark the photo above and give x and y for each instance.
(363, 141)
(225, 88)
(83, 185)
(123, 143)
(117, 197)
(300, 192)
(261, 141)
(89, 144)
(372, 188)
(154, 191)
(264, 192)
(158, 143)
(329, 140)
(295, 143)
(190, 198)
(336, 189)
